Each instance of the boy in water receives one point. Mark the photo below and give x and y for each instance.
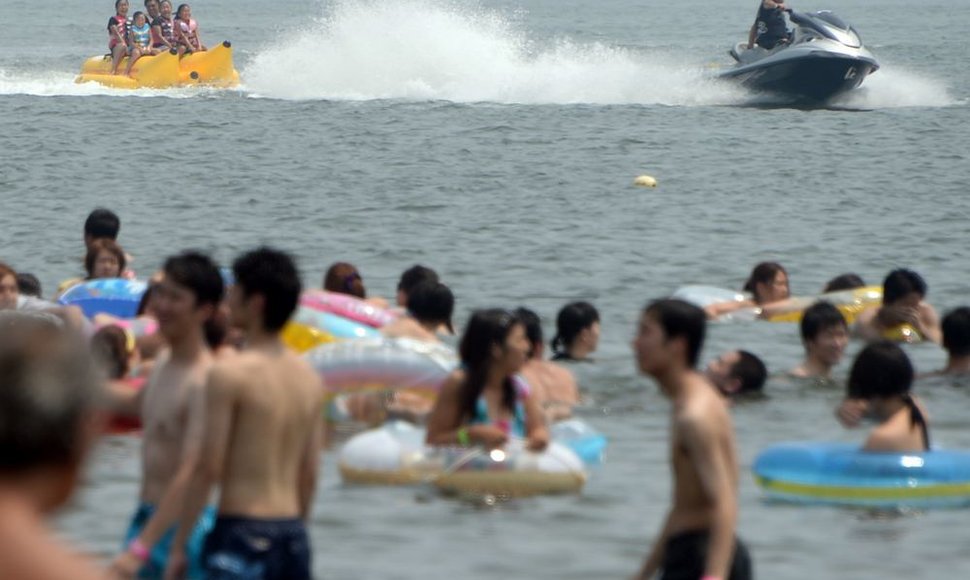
(903, 294)
(48, 389)
(262, 436)
(697, 539)
(825, 334)
(172, 409)
(736, 373)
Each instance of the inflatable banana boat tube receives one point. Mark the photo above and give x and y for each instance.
(213, 67)
(395, 454)
(843, 474)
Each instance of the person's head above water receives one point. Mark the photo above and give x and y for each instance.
(410, 279)
(266, 291)
(29, 285)
(577, 330)
(881, 370)
(737, 372)
(105, 259)
(343, 278)
(903, 285)
(825, 333)
(956, 332)
(494, 342)
(533, 330)
(670, 335)
(432, 303)
(768, 283)
(9, 289)
(847, 281)
(101, 223)
(48, 388)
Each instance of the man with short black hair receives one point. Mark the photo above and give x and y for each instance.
(825, 334)
(903, 304)
(736, 373)
(101, 223)
(697, 539)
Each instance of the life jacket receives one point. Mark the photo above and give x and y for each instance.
(141, 37)
(121, 24)
(771, 27)
(189, 28)
(168, 31)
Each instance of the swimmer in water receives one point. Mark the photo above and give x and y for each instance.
(737, 373)
(262, 436)
(825, 334)
(903, 294)
(552, 385)
(577, 333)
(47, 410)
(768, 285)
(172, 408)
(429, 309)
(879, 388)
(411, 279)
(484, 402)
(344, 278)
(956, 341)
(841, 282)
(11, 299)
(697, 539)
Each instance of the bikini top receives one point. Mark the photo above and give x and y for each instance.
(917, 418)
(517, 426)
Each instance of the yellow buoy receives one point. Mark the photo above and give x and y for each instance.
(645, 181)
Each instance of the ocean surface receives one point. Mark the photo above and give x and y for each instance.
(498, 141)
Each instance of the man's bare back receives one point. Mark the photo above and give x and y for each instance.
(274, 401)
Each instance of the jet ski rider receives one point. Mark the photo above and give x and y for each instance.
(769, 28)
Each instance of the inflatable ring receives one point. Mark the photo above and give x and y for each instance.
(115, 296)
(704, 296)
(842, 474)
(302, 338)
(337, 326)
(849, 302)
(383, 364)
(347, 306)
(395, 454)
(586, 442)
(903, 333)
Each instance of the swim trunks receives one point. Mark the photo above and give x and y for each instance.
(155, 567)
(249, 549)
(686, 554)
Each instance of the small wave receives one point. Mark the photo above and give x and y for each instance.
(891, 87)
(59, 83)
(436, 50)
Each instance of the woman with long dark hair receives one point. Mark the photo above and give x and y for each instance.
(485, 402)
(768, 286)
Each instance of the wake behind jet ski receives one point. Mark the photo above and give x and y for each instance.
(821, 58)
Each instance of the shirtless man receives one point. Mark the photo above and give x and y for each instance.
(172, 409)
(736, 373)
(697, 539)
(903, 292)
(262, 436)
(49, 425)
(825, 334)
(429, 309)
(553, 386)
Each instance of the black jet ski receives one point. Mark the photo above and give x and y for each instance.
(822, 58)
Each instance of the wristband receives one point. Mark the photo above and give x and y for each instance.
(138, 549)
(463, 439)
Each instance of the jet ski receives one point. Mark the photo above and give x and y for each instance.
(822, 58)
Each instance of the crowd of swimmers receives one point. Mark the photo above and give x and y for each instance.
(155, 30)
(223, 403)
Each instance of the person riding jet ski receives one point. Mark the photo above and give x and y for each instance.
(769, 28)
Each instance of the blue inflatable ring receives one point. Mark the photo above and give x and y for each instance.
(842, 474)
(115, 296)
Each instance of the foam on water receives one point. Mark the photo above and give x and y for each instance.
(435, 50)
(59, 83)
(891, 87)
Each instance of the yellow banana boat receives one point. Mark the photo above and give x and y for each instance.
(212, 67)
